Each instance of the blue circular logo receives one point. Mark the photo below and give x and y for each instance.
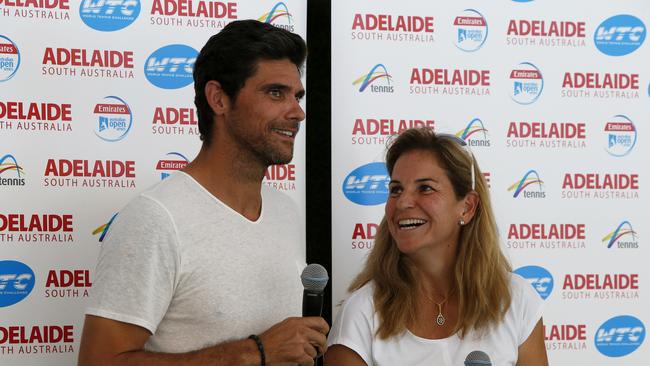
(109, 16)
(471, 30)
(171, 67)
(367, 185)
(9, 58)
(621, 135)
(620, 35)
(539, 278)
(114, 119)
(16, 282)
(527, 83)
(619, 336)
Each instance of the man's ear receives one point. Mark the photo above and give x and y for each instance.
(217, 99)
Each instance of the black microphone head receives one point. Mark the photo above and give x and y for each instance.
(477, 358)
(314, 277)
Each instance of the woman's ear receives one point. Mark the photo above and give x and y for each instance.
(470, 203)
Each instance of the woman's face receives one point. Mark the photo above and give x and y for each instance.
(422, 209)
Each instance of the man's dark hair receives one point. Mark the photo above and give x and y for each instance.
(232, 55)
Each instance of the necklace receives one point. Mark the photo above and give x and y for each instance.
(440, 319)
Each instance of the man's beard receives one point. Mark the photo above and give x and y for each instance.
(260, 147)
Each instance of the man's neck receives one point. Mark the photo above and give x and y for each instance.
(229, 178)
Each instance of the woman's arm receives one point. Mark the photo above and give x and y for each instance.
(533, 351)
(339, 355)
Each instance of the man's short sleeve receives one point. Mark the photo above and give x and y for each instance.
(137, 269)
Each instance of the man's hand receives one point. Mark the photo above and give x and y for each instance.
(295, 340)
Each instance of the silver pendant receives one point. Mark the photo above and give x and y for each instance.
(440, 320)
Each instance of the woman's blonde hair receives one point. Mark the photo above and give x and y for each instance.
(481, 271)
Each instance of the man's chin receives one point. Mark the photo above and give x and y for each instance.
(282, 160)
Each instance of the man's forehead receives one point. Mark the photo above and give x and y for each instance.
(281, 71)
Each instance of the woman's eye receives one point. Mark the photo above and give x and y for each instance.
(426, 188)
(395, 190)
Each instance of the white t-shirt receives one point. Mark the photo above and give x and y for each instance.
(194, 272)
(356, 326)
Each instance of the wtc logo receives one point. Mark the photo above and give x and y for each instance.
(540, 284)
(367, 185)
(15, 281)
(171, 67)
(620, 336)
(110, 7)
(620, 35)
(109, 15)
(625, 334)
(366, 182)
(540, 278)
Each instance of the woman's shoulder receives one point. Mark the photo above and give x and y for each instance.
(360, 299)
(520, 287)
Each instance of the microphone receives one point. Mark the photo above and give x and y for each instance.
(477, 358)
(314, 279)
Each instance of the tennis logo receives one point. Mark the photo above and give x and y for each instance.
(374, 79)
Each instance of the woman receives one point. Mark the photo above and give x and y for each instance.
(436, 286)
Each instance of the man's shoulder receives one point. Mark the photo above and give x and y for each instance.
(177, 183)
(278, 200)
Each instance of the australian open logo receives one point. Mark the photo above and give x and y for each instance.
(9, 58)
(539, 277)
(109, 15)
(114, 119)
(377, 75)
(170, 67)
(173, 161)
(623, 237)
(527, 83)
(103, 229)
(474, 134)
(620, 35)
(471, 30)
(11, 174)
(16, 282)
(621, 135)
(620, 336)
(530, 186)
(367, 185)
(279, 16)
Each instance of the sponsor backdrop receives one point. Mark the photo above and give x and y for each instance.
(553, 98)
(96, 104)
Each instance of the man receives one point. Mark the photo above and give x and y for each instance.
(196, 264)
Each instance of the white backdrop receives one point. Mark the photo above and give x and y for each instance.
(82, 82)
(553, 98)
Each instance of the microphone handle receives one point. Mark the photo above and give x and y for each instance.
(312, 303)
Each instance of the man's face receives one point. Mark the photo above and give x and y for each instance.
(266, 116)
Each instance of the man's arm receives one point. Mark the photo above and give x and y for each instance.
(110, 342)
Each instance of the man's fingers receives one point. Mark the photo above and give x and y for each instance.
(311, 351)
(316, 338)
(317, 323)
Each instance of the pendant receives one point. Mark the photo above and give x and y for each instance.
(440, 320)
